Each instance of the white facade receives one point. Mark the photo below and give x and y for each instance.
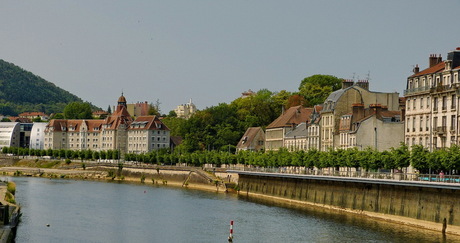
(432, 103)
(9, 134)
(37, 135)
(185, 110)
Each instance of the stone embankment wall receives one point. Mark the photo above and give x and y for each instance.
(416, 202)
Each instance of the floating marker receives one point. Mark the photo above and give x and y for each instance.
(230, 237)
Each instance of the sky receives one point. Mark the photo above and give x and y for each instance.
(211, 51)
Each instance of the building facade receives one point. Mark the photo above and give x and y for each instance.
(37, 135)
(147, 133)
(117, 132)
(374, 127)
(432, 103)
(185, 110)
(339, 103)
(275, 133)
(9, 134)
(252, 140)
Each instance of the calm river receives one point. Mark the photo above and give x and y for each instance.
(86, 211)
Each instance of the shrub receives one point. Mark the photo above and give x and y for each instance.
(68, 161)
(143, 178)
(9, 198)
(11, 187)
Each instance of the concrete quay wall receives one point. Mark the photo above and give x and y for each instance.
(415, 201)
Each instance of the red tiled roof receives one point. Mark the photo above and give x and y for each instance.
(293, 116)
(434, 69)
(151, 123)
(34, 113)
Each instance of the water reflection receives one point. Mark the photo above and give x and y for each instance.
(86, 211)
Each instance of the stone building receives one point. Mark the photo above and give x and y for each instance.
(339, 103)
(185, 110)
(117, 132)
(147, 133)
(275, 132)
(252, 140)
(375, 127)
(138, 109)
(432, 103)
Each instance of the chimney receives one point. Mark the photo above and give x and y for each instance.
(363, 84)
(434, 59)
(416, 69)
(358, 111)
(346, 83)
(377, 108)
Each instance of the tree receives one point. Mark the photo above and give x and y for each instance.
(323, 80)
(37, 119)
(109, 110)
(57, 116)
(5, 119)
(172, 113)
(78, 110)
(317, 88)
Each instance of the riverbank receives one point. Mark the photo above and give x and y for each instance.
(9, 212)
(185, 177)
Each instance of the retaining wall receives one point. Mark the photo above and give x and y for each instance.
(417, 202)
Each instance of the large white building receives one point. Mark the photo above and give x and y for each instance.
(37, 135)
(117, 132)
(9, 134)
(432, 103)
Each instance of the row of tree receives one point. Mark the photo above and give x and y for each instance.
(63, 153)
(369, 159)
(396, 158)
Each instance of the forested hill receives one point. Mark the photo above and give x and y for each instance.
(22, 91)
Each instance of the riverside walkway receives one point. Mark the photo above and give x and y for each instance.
(406, 179)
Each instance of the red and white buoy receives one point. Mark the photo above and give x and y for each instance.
(230, 237)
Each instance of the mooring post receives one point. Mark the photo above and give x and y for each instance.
(230, 237)
(444, 226)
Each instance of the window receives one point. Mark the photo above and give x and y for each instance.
(421, 123)
(408, 104)
(427, 102)
(413, 124)
(421, 103)
(408, 123)
(427, 122)
(453, 105)
(444, 103)
(453, 123)
(435, 104)
(414, 102)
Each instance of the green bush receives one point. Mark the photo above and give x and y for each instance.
(11, 187)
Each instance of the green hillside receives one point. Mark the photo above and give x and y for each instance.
(22, 91)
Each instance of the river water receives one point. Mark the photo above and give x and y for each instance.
(87, 211)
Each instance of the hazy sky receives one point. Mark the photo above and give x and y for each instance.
(211, 51)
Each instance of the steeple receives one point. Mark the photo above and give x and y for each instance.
(121, 102)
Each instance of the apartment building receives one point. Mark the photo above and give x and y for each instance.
(288, 121)
(375, 127)
(117, 132)
(147, 133)
(339, 103)
(432, 103)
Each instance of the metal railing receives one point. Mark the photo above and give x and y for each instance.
(440, 178)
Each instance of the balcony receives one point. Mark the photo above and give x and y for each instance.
(416, 90)
(440, 130)
(443, 88)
